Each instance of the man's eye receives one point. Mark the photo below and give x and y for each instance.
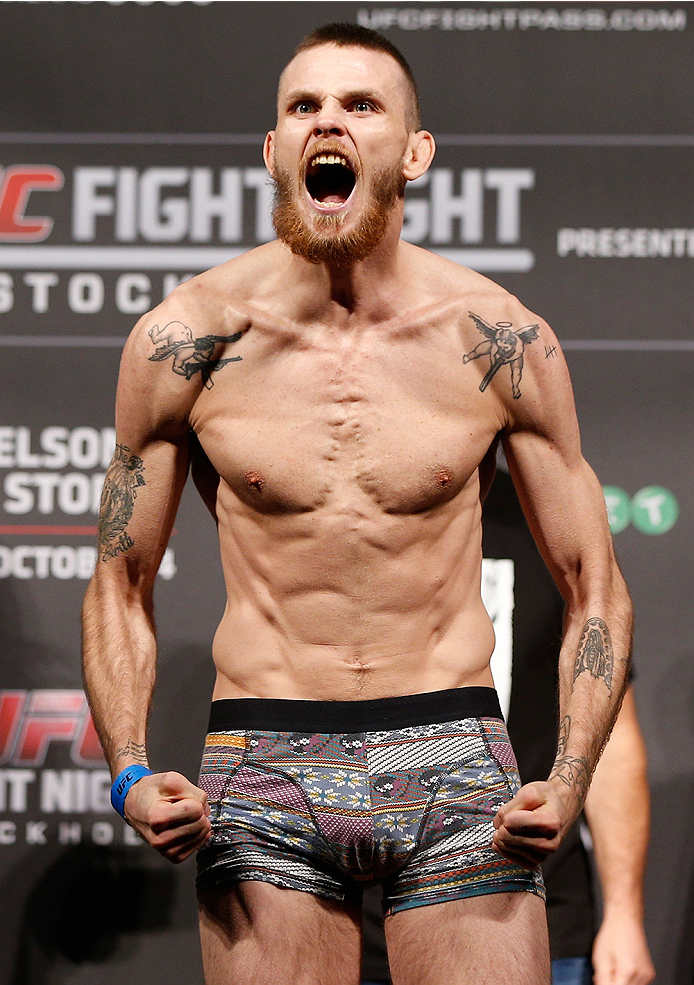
(303, 108)
(362, 106)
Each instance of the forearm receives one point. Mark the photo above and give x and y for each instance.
(119, 657)
(617, 810)
(593, 669)
(618, 813)
(119, 650)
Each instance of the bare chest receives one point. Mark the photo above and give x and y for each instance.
(393, 426)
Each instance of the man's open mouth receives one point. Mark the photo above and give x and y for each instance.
(330, 180)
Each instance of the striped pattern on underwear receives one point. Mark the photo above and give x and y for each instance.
(326, 813)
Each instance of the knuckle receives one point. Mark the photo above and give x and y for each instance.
(194, 810)
(157, 818)
(178, 854)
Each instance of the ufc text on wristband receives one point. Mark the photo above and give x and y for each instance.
(123, 782)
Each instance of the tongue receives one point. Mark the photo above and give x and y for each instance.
(333, 199)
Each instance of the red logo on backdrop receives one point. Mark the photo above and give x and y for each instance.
(31, 720)
(16, 184)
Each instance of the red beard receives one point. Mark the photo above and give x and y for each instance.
(325, 243)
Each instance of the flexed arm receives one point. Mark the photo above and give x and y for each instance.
(141, 493)
(564, 505)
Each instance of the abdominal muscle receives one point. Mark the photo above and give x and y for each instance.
(351, 605)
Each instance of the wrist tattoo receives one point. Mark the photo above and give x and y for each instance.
(574, 772)
(595, 653)
(135, 751)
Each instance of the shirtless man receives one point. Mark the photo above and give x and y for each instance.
(341, 421)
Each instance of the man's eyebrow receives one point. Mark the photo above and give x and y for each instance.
(310, 95)
(314, 95)
(371, 95)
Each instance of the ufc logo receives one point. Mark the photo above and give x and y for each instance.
(16, 184)
(31, 720)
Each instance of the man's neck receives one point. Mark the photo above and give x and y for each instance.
(364, 289)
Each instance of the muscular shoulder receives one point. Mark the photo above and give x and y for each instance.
(218, 295)
(516, 356)
(512, 353)
(175, 349)
(440, 280)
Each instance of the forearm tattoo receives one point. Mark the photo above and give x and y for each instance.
(573, 771)
(595, 653)
(136, 752)
(190, 355)
(564, 730)
(123, 478)
(505, 347)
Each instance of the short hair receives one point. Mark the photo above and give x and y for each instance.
(356, 36)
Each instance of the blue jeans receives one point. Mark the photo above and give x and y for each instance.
(572, 971)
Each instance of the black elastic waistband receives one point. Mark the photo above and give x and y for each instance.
(282, 715)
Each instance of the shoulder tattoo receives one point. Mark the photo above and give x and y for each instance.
(123, 478)
(504, 346)
(191, 355)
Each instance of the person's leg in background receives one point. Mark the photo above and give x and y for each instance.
(572, 971)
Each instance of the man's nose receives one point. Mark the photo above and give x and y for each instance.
(328, 121)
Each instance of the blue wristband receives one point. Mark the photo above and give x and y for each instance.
(123, 782)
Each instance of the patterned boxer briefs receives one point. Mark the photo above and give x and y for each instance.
(325, 797)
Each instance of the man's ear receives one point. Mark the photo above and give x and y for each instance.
(269, 151)
(421, 148)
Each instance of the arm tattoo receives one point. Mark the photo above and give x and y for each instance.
(574, 772)
(595, 652)
(135, 751)
(190, 355)
(571, 770)
(504, 348)
(564, 730)
(122, 480)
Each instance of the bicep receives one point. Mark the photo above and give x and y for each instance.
(561, 496)
(140, 497)
(144, 481)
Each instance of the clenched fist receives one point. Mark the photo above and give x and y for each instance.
(530, 827)
(170, 813)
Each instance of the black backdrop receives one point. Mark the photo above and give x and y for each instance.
(130, 142)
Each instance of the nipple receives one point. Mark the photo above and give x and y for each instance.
(254, 480)
(443, 477)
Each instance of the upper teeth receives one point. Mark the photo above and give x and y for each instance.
(330, 159)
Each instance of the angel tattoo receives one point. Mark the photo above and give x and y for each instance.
(504, 348)
(190, 355)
